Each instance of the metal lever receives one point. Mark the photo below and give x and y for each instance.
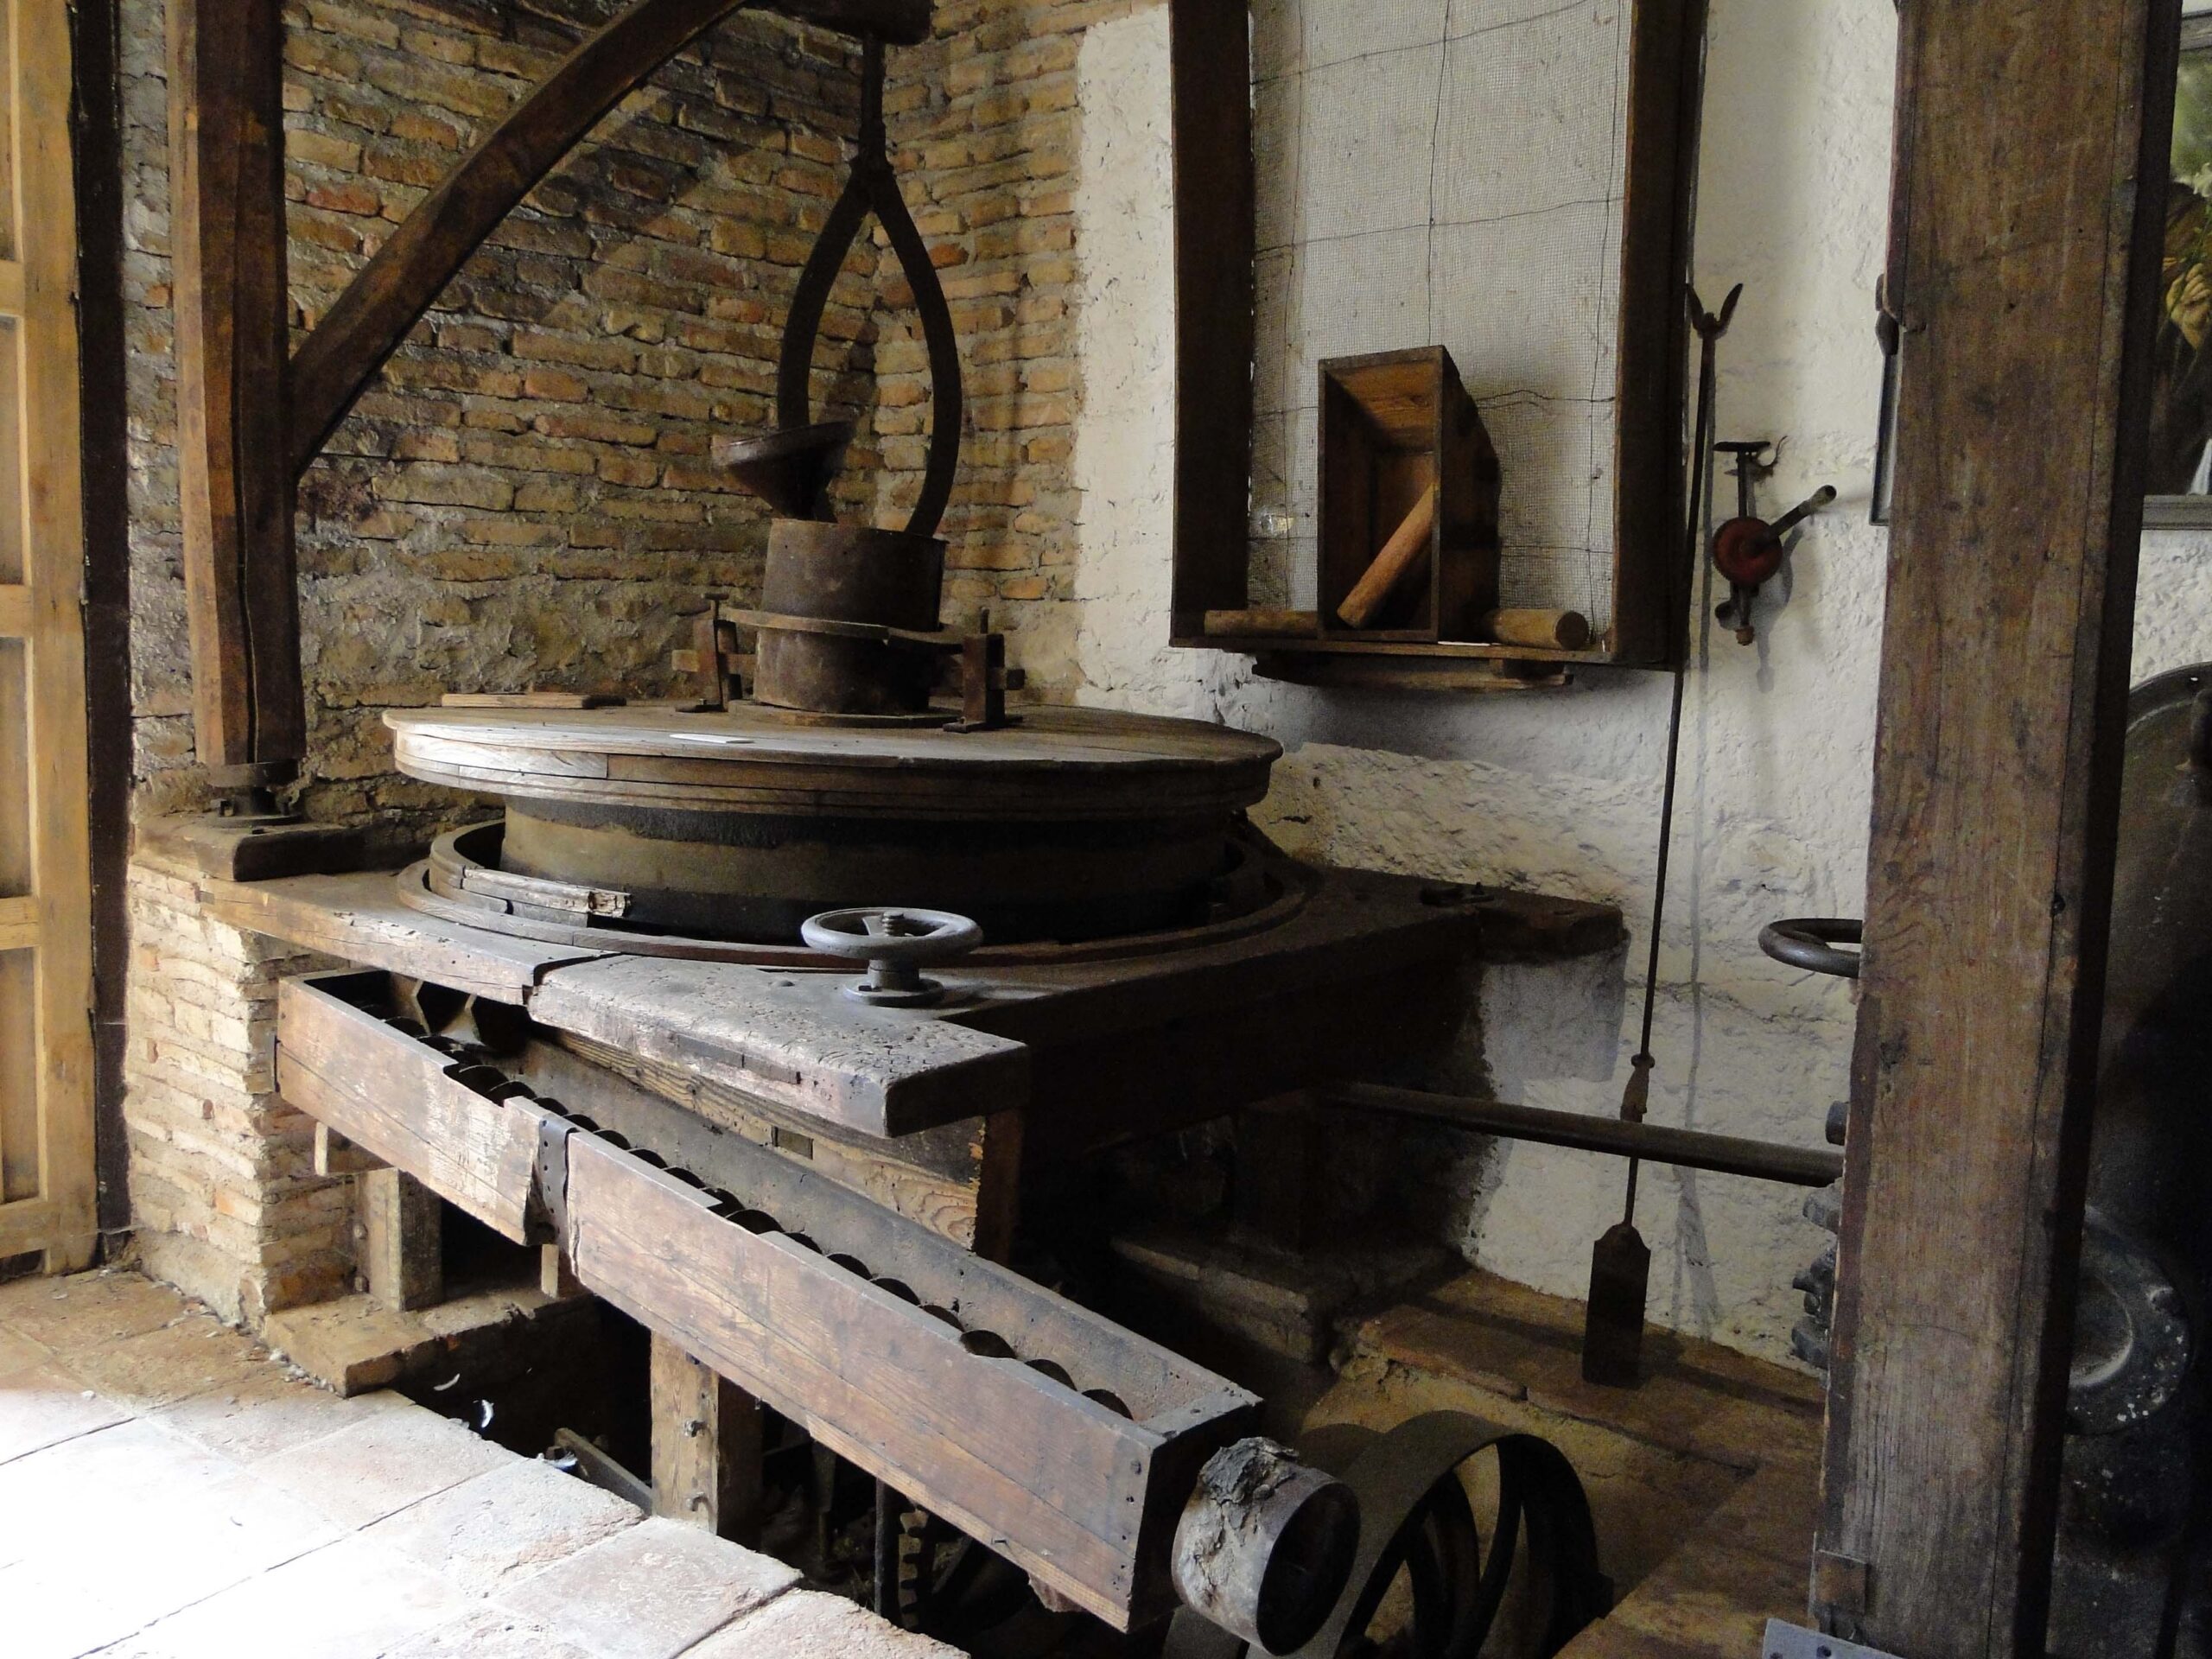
(895, 945)
(1811, 943)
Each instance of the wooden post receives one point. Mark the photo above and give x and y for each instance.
(233, 311)
(707, 1447)
(403, 1236)
(556, 1275)
(2032, 165)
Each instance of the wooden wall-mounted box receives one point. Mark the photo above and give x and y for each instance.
(1397, 428)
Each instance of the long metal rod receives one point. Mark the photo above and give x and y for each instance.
(1723, 1154)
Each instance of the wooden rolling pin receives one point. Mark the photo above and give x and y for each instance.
(1566, 630)
(1401, 557)
(1267, 621)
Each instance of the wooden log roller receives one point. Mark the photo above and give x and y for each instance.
(1401, 557)
(1548, 630)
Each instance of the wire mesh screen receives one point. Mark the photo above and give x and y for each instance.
(1445, 172)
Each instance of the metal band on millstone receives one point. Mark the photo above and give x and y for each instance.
(846, 573)
(1077, 824)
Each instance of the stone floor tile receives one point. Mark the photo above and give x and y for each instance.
(380, 1465)
(352, 1599)
(102, 1535)
(807, 1624)
(88, 1312)
(650, 1592)
(270, 1410)
(18, 1352)
(487, 1633)
(506, 1525)
(42, 1405)
(192, 1353)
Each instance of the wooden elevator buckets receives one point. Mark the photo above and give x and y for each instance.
(849, 618)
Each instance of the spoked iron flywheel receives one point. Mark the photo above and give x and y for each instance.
(1423, 1586)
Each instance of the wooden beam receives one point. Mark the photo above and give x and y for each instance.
(1216, 233)
(2033, 148)
(233, 310)
(402, 1241)
(707, 1447)
(348, 349)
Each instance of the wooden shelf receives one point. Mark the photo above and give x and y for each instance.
(1450, 665)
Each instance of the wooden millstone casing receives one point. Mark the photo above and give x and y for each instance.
(739, 824)
(1062, 1440)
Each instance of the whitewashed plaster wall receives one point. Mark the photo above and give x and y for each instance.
(1559, 790)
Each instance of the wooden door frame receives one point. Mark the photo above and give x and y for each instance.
(55, 919)
(103, 382)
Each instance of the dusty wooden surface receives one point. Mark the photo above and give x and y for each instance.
(935, 1177)
(796, 1041)
(358, 919)
(1066, 1487)
(400, 1100)
(2031, 262)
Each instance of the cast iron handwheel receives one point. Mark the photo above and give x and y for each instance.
(895, 945)
(1810, 943)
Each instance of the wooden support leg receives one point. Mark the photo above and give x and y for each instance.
(555, 1278)
(707, 1447)
(1275, 1150)
(402, 1236)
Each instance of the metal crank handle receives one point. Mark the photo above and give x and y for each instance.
(1825, 496)
(1811, 943)
(895, 945)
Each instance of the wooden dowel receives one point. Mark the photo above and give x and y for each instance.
(1266, 621)
(1401, 556)
(1565, 630)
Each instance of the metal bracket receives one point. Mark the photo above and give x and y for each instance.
(550, 1195)
(1794, 1642)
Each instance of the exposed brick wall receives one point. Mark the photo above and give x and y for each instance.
(984, 120)
(527, 496)
(223, 1191)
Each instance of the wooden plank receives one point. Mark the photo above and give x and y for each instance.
(2035, 223)
(233, 314)
(1146, 1377)
(936, 1177)
(794, 1040)
(400, 1100)
(15, 610)
(55, 790)
(13, 288)
(335, 1155)
(18, 922)
(1058, 1484)
(26, 1226)
(403, 1238)
(359, 919)
(1210, 47)
(706, 1442)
